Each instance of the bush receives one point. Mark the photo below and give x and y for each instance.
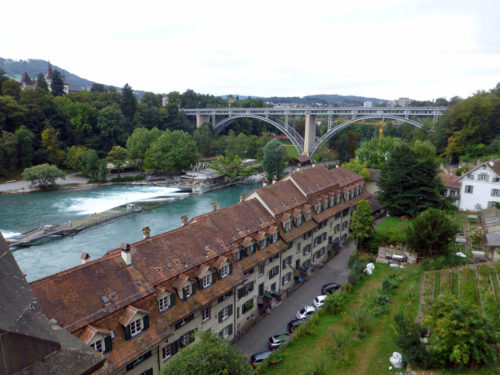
(388, 285)
(335, 302)
(438, 262)
(408, 340)
(137, 177)
(361, 320)
(356, 269)
(340, 340)
(382, 300)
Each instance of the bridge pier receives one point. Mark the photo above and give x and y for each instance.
(201, 119)
(309, 134)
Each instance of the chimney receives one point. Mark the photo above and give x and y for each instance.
(126, 256)
(214, 206)
(264, 182)
(85, 257)
(492, 163)
(275, 179)
(242, 197)
(184, 219)
(146, 232)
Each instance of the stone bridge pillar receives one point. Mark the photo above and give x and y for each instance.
(309, 134)
(201, 119)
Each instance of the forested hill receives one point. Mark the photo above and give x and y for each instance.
(16, 68)
(326, 99)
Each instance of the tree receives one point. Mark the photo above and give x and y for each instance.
(274, 159)
(408, 185)
(209, 355)
(424, 150)
(460, 335)
(12, 88)
(375, 152)
(111, 126)
(8, 153)
(51, 144)
(128, 104)
(118, 156)
(230, 166)
(408, 340)
(358, 167)
(362, 224)
(43, 175)
(139, 142)
(57, 83)
(204, 136)
(25, 151)
(172, 152)
(41, 82)
(431, 232)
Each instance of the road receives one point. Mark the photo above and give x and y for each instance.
(255, 339)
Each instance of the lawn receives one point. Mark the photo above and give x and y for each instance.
(290, 150)
(314, 351)
(393, 229)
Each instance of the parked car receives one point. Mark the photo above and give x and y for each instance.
(330, 288)
(305, 312)
(319, 301)
(257, 358)
(276, 340)
(294, 324)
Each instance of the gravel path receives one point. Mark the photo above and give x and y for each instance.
(24, 186)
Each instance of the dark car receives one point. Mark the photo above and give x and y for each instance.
(257, 358)
(276, 340)
(294, 324)
(330, 288)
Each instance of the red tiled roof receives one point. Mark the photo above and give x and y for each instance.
(129, 313)
(305, 227)
(313, 180)
(449, 181)
(261, 255)
(221, 260)
(90, 331)
(281, 196)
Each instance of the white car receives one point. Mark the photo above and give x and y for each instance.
(305, 312)
(319, 301)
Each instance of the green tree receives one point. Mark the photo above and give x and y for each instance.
(90, 165)
(375, 152)
(25, 151)
(43, 175)
(128, 104)
(209, 355)
(139, 142)
(460, 335)
(358, 167)
(151, 99)
(424, 149)
(118, 156)
(57, 83)
(362, 224)
(431, 232)
(8, 153)
(12, 114)
(230, 166)
(72, 157)
(408, 340)
(408, 185)
(51, 144)
(11, 88)
(204, 137)
(274, 159)
(172, 152)
(111, 125)
(41, 82)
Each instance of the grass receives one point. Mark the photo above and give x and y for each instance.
(393, 229)
(437, 284)
(454, 283)
(365, 352)
(445, 282)
(290, 150)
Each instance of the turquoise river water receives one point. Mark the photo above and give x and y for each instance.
(22, 212)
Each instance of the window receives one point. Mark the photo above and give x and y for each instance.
(226, 331)
(184, 321)
(337, 215)
(222, 298)
(98, 346)
(337, 228)
(147, 372)
(495, 192)
(286, 279)
(332, 201)
(287, 261)
(224, 271)
(261, 269)
(298, 247)
(339, 198)
(225, 313)
(249, 272)
(263, 243)
(307, 249)
(325, 204)
(164, 303)
(273, 258)
(246, 289)
(469, 189)
(247, 306)
(317, 208)
(287, 226)
(307, 215)
(274, 271)
(471, 177)
(298, 221)
(206, 281)
(169, 350)
(274, 237)
(495, 179)
(135, 327)
(187, 291)
(261, 289)
(139, 360)
(205, 314)
(483, 177)
(344, 225)
(186, 339)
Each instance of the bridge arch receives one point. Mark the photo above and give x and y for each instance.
(290, 132)
(334, 130)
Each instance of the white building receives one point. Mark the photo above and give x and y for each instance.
(480, 187)
(368, 104)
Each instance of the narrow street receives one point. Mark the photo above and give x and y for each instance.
(335, 270)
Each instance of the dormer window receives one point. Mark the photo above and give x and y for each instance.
(135, 327)
(307, 215)
(98, 346)
(225, 271)
(206, 281)
(274, 237)
(187, 291)
(298, 221)
(287, 226)
(317, 208)
(338, 199)
(134, 321)
(263, 243)
(166, 302)
(325, 203)
(98, 339)
(360, 190)
(332, 201)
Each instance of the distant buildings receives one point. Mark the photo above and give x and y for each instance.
(368, 104)
(140, 303)
(27, 82)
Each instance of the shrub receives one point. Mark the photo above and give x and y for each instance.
(382, 300)
(388, 285)
(340, 341)
(361, 320)
(356, 269)
(137, 177)
(335, 302)
(438, 262)
(408, 340)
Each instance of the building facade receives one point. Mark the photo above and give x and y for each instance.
(141, 303)
(480, 187)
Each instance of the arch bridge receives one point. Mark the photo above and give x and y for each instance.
(221, 118)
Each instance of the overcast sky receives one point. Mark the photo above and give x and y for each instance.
(385, 49)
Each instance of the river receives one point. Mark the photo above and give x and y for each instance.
(22, 212)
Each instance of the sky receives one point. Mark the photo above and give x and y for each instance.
(421, 49)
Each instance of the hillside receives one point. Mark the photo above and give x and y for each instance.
(16, 68)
